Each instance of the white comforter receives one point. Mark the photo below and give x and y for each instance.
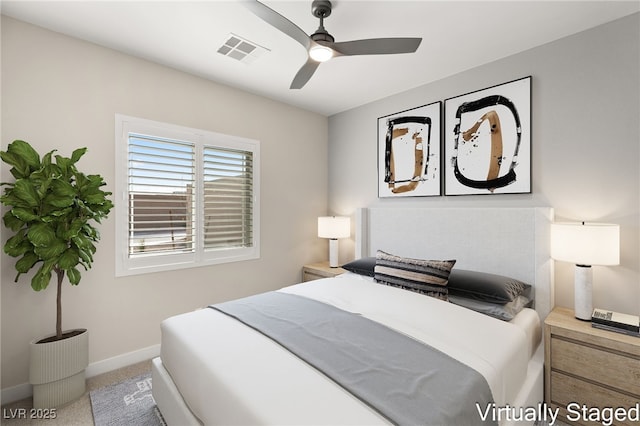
(230, 374)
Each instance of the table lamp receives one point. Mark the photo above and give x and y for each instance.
(585, 244)
(334, 227)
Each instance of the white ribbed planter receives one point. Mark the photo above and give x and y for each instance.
(57, 370)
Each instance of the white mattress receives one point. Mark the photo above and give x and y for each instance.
(230, 374)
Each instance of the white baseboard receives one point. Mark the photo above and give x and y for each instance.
(119, 361)
(16, 393)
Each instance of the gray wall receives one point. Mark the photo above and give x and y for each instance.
(62, 93)
(585, 145)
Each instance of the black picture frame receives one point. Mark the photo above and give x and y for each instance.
(409, 152)
(487, 140)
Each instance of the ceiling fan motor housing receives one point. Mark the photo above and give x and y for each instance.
(321, 9)
(323, 37)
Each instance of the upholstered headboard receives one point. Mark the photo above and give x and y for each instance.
(506, 241)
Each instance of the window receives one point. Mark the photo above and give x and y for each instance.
(185, 197)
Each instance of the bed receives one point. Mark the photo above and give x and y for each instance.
(217, 368)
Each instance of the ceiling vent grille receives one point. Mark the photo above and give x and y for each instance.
(241, 49)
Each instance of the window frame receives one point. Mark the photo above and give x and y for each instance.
(127, 265)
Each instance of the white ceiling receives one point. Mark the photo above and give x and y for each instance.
(457, 35)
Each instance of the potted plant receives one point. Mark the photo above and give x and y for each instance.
(51, 209)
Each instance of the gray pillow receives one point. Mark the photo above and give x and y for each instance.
(363, 266)
(486, 287)
(502, 311)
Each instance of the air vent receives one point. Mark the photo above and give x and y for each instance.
(241, 49)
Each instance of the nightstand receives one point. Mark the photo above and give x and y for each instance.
(588, 366)
(315, 271)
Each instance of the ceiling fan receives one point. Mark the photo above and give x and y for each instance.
(321, 45)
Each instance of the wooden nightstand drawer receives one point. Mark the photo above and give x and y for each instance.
(597, 364)
(566, 389)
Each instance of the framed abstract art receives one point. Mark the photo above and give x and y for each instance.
(488, 140)
(409, 152)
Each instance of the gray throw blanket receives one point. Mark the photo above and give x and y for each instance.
(404, 380)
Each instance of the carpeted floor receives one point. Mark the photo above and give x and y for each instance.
(77, 413)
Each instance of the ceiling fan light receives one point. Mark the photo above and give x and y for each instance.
(321, 53)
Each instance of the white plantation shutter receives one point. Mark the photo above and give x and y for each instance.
(228, 198)
(188, 197)
(161, 203)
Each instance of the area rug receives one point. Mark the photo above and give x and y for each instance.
(126, 403)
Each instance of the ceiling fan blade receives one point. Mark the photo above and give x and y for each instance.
(278, 21)
(304, 74)
(376, 46)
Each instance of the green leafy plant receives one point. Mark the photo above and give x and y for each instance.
(52, 206)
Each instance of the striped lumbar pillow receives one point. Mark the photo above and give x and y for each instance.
(428, 277)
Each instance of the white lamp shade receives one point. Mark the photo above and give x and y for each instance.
(586, 243)
(334, 227)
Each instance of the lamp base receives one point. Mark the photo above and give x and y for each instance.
(333, 252)
(583, 282)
